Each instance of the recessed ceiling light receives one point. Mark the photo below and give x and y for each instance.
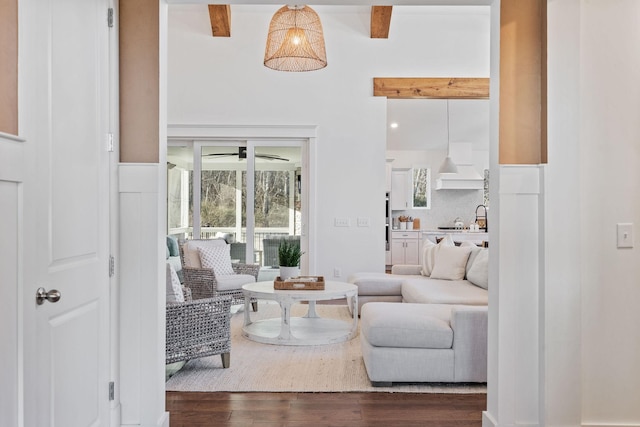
(393, 125)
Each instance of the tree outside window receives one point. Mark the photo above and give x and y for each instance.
(421, 188)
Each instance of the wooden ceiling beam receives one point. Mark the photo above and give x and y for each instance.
(220, 16)
(380, 21)
(428, 87)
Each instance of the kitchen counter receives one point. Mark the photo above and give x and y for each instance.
(476, 237)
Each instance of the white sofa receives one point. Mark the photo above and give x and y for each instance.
(427, 323)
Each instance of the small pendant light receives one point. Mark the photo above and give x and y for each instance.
(447, 165)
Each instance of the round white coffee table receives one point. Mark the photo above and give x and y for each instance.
(308, 330)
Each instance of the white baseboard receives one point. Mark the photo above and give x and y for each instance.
(610, 425)
(487, 420)
(164, 420)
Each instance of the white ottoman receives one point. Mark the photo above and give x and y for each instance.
(424, 342)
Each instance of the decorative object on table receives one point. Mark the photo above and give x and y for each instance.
(295, 41)
(289, 255)
(301, 283)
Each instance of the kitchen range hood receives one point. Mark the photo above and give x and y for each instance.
(467, 177)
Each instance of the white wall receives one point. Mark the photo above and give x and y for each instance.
(446, 205)
(223, 81)
(592, 300)
(610, 144)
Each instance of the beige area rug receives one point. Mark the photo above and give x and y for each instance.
(272, 368)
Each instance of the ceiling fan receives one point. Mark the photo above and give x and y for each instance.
(242, 154)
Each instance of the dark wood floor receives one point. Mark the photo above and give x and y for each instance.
(325, 409)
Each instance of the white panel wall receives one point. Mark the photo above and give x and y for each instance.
(610, 193)
(142, 296)
(222, 81)
(11, 246)
(514, 353)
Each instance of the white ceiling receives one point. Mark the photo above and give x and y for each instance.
(422, 123)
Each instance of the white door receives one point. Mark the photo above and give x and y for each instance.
(69, 200)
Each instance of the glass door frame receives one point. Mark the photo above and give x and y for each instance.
(251, 146)
(179, 134)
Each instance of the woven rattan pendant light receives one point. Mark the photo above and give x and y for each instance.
(295, 41)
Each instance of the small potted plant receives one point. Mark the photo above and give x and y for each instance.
(289, 254)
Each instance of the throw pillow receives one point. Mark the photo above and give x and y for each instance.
(475, 250)
(429, 251)
(450, 263)
(172, 244)
(174, 288)
(217, 258)
(478, 274)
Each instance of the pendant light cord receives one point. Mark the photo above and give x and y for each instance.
(448, 142)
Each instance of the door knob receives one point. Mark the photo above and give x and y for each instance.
(52, 296)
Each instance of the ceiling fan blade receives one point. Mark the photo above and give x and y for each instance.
(221, 154)
(272, 157)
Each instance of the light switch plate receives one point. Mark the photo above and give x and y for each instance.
(341, 222)
(625, 235)
(363, 221)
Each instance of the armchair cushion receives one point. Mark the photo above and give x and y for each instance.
(233, 281)
(191, 257)
(216, 258)
(174, 288)
(172, 246)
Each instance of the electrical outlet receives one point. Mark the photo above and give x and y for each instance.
(341, 222)
(337, 272)
(625, 235)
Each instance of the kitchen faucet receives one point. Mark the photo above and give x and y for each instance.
(481, 220)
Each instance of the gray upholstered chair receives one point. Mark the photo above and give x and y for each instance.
(221, 278)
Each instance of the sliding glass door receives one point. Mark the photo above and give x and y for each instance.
(248, 192)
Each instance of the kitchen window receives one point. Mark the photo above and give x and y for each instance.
(421, 185)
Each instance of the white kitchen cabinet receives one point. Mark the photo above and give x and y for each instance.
(387, 175)
(405, 247)
(401, 190)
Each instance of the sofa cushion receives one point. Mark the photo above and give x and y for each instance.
(386, 324)
(450, 263)
(478, 274)
(378, 283)
(174, 288)
(233, 281)
(216, 258)
(475, 250)
(437, 291)
(429, 251)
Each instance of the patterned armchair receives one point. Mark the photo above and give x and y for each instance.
(208, 271)
(196, 328)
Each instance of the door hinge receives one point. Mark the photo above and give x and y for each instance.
(112, 391)
(110, 17)
(110, 142)
(112, 266)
